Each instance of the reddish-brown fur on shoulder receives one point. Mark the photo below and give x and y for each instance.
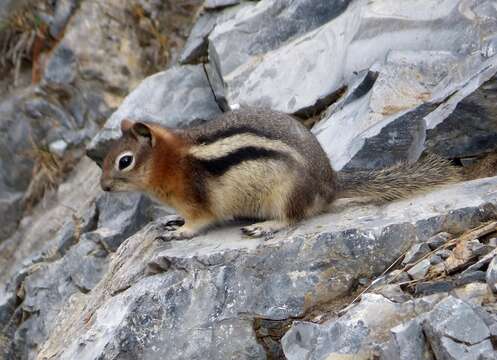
(170, 175)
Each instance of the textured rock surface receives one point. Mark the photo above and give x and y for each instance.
(83, 278)
(234, 280)
(68, 83)
(403, 130)
(197, 45)
(249, 77)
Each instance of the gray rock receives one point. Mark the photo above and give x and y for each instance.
(7, 7)
(63, 11)
(397, 276)
(348, 335)
(416, 252)
(120, 215)
(443, 253)
(479, 249)
(49, 288)
(435, 259)
(407, 343)
(419, 270)
(178, 97)
(433, 287)
(470, 129)
(402, 122)
(265, 33)
(484, 260)
(452, 318)
(197, 44)
(251, 67)
(10, 212)
(488, 355)
(492, 275)
(426, 303)
(474, 294)
(452, 350)
(400, 140)
(15, 170)
(61, 67)
(154, 294)
(438, 240)
(469, 277)
(393, 292)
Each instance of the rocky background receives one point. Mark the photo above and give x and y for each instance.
(376, 81)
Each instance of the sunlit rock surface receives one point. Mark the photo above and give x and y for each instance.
(382, 81)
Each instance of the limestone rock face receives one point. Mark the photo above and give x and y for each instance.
(376, 81)
(152, 294)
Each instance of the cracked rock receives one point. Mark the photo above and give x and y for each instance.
(491, 276)
(197, 44)
(207, 282)
(438, 240)
(419, 270)
(407, 343)
(416, 252)
(453, 321)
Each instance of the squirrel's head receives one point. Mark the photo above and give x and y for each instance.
(127, 164)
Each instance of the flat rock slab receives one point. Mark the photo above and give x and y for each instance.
(255, 52)
(154, 294)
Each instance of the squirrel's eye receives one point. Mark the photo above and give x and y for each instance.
(125, 162)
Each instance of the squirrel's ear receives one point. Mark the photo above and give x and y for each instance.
(126, 125)
(143, 131)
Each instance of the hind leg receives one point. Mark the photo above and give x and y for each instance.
(264, 228)
(287, 207)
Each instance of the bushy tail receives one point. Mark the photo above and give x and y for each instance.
(399, 181)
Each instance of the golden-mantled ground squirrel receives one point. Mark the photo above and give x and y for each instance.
(250, 163)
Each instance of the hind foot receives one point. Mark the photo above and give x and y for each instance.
(265, 229)
(178, 234)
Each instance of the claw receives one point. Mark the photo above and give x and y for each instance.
(257, 232)
(178, 234)
(172, 223)
(265, 229)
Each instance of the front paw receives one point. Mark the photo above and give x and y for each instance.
(179, 234)
(171, 222)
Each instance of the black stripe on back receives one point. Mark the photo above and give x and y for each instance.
(225, 133)
(219, 166)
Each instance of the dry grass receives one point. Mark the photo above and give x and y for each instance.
(23, 37)
(163, 34)
(48, 172)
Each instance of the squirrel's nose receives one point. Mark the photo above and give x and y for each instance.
(106, 186)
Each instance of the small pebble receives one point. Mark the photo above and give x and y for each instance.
(443, 253)
(435, 259)
(438, 240)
